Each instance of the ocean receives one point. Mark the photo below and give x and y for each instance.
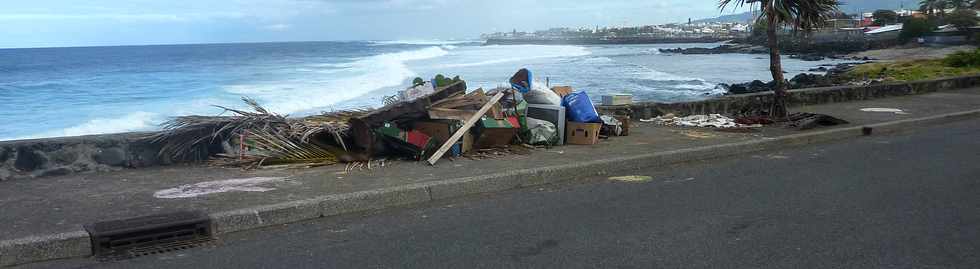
(50, 92)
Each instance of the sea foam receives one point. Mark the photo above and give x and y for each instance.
(490, 55)
(369, 74)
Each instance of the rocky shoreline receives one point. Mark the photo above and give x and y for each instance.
(835, 76)
(754, 49)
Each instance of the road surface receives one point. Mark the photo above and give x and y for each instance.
(899, 201)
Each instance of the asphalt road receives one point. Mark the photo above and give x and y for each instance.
(899, 201)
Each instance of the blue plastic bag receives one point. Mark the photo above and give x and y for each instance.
(579, 108)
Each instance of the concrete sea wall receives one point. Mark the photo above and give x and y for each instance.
(746, 104)
(25, 159)
(34, 158)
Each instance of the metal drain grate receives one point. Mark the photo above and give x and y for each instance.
(153, 249)
(122, 239)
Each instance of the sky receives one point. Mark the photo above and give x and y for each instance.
(63, 23)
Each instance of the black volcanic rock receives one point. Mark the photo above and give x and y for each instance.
(723, 49)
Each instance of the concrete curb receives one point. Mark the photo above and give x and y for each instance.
(77, 244)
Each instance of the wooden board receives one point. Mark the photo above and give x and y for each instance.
(466, 128)
(361, 127)
(450, 114)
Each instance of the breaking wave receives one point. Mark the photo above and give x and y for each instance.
(422, 42)
(307, 93)
(489, 55)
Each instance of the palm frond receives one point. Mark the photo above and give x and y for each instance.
(277, 148)
(800, 14)
(263, 137)
(335, 123)
(189, 138)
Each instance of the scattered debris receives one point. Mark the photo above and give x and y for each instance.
(494, 153)
(698, 134)
(255, 138)
(541, 132)
(754, 120)
(711, 120)
(885, 110)
(426, 121)
(466, 128)
(632, 178)
(612, 126)
(806, 121)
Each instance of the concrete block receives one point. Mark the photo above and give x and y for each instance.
(41, 248)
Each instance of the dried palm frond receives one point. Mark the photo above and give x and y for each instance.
(190, 137)
(275, 148)
(334, 123)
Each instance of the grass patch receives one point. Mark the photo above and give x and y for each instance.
(910, 71)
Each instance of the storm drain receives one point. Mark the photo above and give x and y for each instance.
(130, 238)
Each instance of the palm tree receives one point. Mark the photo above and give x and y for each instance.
(799, 14)
(959, 4)
(936, 7)
(926, 6)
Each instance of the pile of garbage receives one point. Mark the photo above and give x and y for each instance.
(800, 121)
(427, 121)
(704, 121)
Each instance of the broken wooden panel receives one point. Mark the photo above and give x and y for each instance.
(401, 112)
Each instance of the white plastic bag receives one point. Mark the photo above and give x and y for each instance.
(539, 94)
(542, 132)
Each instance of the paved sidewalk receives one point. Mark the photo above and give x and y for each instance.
(55, 205)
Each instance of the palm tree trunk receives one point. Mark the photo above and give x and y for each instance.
(778, 110)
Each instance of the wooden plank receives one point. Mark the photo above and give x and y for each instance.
(362, 127)
(466, 128)
(450, 114)
(414, 109)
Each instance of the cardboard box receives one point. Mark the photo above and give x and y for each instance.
(438, 129)
(617, 99)
(562, 90)
(442, 130)
(550, 113)
(579, 133)
(498, 133)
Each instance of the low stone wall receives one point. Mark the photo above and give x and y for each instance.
(25, 159)
(748, 104)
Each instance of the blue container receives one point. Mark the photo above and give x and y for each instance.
(580, 108)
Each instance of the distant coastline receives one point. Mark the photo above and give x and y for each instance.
(601, 41)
